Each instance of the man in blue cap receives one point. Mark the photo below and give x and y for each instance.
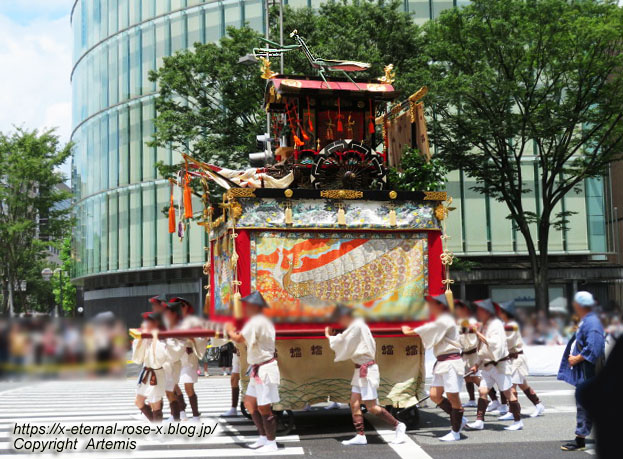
(263, 389)
(519, 362)
(584, 351)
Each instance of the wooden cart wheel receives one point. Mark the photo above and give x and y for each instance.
(285, 422)
(410, 416)
(243, 410)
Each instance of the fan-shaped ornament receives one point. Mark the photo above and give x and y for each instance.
(350, 165)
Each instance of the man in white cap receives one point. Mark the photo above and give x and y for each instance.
(442, 335)
(494, 362)
(519, 362)
(583, 353)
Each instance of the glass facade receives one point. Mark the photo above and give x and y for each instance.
(118, 192)
(479, 225)
(119, 196)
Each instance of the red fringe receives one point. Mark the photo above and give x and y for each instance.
(171, 217)
(188, 199)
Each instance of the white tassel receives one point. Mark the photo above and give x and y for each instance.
(341, 216)
(392, 217)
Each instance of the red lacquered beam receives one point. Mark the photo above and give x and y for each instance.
(287, 333)
(189, 333)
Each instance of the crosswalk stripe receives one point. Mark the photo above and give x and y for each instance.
(165, 453)
(104, 403)
(407, 450)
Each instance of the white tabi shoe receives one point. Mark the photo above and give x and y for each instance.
(183, 416)
(476, 425)
(356, 440)
(195, 419)
(452, 436)
(169, 420)
(503, 409)
(506, 417)
(268, 448)
(518, 425)
(400, 435)
(332, 406)
(464, 422)
(493, 406)
(261, 441)
(470, 404)
(538, 411)
(233, 411)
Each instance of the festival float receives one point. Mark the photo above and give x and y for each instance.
(318, 223)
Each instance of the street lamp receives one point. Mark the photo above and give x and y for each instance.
(47, 274)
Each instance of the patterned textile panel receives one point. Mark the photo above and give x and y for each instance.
(302, 274)
(320, 213)
(309, 374)
(222, 277)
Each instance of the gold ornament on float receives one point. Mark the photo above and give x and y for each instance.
(390, 74)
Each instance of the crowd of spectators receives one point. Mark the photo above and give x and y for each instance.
(42, 347)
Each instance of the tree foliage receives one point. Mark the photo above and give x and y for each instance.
(417, 174)
(30, 216)
(514, 81)
(64, 291)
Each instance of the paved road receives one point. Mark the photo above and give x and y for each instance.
(318, 433)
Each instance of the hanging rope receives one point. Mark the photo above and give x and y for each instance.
(447, 257)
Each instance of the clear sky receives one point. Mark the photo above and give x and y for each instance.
(35, 63)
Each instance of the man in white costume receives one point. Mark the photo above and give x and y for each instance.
(173, 367)
(356, 343)
(263, 390)
(519, 362)
(152, 354)
(468, 325)
(442, 336)
(195, 348)
(494, 363)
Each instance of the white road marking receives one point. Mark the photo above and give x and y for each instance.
(407, 450)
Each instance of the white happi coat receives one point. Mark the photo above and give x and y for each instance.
(442, 335)
(514, 343)
(175, 349)
(356, 343)
(495, 349)
(259, 335)
(469, 341)
(197, 346)
(151, 354)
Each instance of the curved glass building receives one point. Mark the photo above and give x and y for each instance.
(123, 250)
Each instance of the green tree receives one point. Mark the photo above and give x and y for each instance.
(514, 81)
(31, 218)
(64, 291)
(417, 174)
(208, 105)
